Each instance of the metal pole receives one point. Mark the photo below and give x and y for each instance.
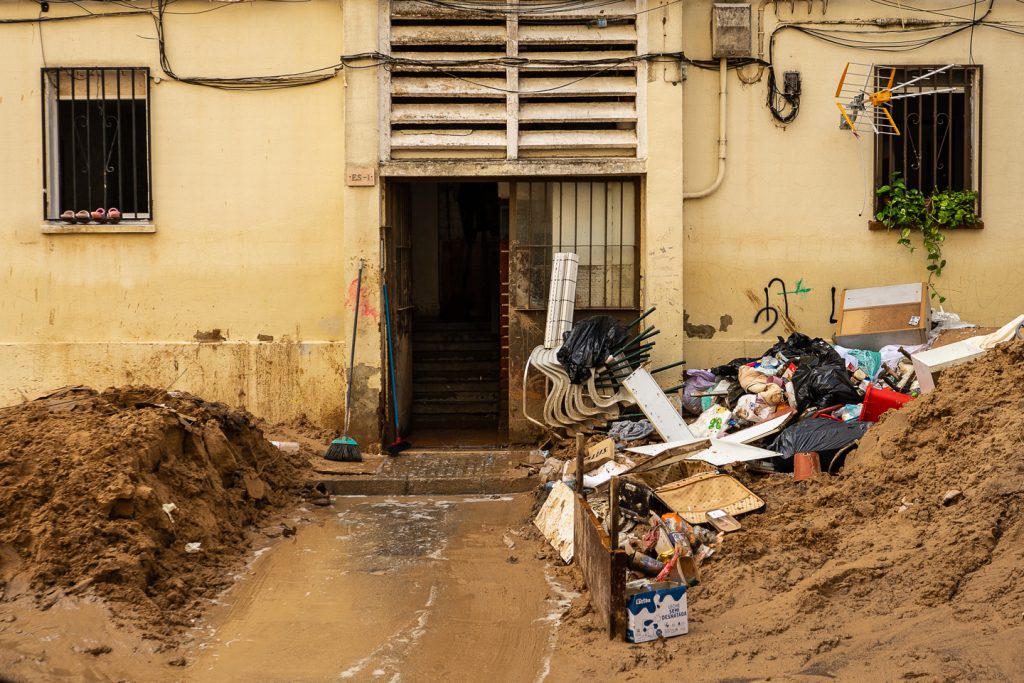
(580, 452)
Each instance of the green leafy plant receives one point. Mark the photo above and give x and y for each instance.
(906, 209)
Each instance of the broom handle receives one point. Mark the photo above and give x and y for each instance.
(352, 351)
(391, 359)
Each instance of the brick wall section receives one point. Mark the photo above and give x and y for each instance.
(503, 331)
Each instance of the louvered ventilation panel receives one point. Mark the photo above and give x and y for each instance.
(556, 106)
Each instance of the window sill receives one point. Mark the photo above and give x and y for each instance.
(56, 228)
(878, 225)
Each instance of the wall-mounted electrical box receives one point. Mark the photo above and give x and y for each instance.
(731, 33)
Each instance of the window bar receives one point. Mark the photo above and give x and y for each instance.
(576, 218)
(74, 147)
(605, 270)
(120, 146)
(622, 221)
(147, 150)
(135, 137)
(908, 135)
(88, 139)
(950, 177)
(44, 78)
(590, 248)
(103, 133)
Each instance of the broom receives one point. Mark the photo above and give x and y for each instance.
(346, 449)
(399, 443)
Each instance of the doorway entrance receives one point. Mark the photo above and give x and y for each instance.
(445, 243)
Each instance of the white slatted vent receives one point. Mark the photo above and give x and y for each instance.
(466, 109)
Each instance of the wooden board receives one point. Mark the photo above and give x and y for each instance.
(604, 570)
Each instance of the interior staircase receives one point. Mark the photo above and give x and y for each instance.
(455, 375)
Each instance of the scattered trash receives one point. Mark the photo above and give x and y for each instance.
(817, 434)
(287, 446)
(695, 496)
(795, 411)
(723, 521)
(168, 508)
(193, 547)
(877, 401)
(655, 610)
(806, 465)
(555, 520)
(952, 496)
(588, 345)
(928, 364)
(626, 431)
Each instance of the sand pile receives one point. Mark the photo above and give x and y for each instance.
(869, 575)
(87, 485)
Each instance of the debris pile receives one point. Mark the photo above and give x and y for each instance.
(659, 497)
(928, 508)
(137, 495)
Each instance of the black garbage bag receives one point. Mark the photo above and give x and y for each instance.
(588, 345)
(819, 434)
(731, 370)
(798, 345)
(819, 385)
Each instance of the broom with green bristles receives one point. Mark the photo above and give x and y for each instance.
(346, 449)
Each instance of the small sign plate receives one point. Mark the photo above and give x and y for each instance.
(360, 176)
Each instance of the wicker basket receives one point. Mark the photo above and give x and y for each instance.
(693, 497)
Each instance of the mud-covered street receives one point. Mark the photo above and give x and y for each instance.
(374, 588)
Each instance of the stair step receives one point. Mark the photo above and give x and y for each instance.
(449, 356)
(458, 408)
(419, 397)
(458, 371)
(464, 344)
(456, 422)
(454, 384)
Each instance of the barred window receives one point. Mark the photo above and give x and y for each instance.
(939, 146)
(96, 141)
(596, 220)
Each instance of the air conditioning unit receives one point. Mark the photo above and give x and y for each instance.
(731, 32)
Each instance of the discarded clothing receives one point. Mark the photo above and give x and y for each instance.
(696, 380)
(817, 434)
(765, 387)
(798, 345)
(626, 430)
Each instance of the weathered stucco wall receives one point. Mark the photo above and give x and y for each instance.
(258, 234)
(791, 202)
(250, 209)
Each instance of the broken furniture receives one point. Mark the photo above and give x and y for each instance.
(874, 317)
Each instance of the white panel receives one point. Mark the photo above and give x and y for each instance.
(891, 295)
(655, 404)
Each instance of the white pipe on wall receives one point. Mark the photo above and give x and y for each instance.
(722, 87)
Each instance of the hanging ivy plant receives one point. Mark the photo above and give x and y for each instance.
(907, 209)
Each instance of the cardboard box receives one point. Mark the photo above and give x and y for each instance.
(656, 612)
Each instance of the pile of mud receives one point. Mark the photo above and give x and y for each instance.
(108, 493)
(877, 573)
(884, 532)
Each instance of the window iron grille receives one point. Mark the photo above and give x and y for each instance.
(939, 146)
(96, 144)
(596, 220)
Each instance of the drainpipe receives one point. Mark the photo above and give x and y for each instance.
(722, 83)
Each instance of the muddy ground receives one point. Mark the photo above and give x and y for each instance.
(867, 575)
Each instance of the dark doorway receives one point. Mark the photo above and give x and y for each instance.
(457, 232)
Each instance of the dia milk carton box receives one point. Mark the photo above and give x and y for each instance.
(657, 611)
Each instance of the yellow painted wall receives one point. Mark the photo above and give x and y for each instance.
(250, 209)
(791, 203)
(257, 233)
